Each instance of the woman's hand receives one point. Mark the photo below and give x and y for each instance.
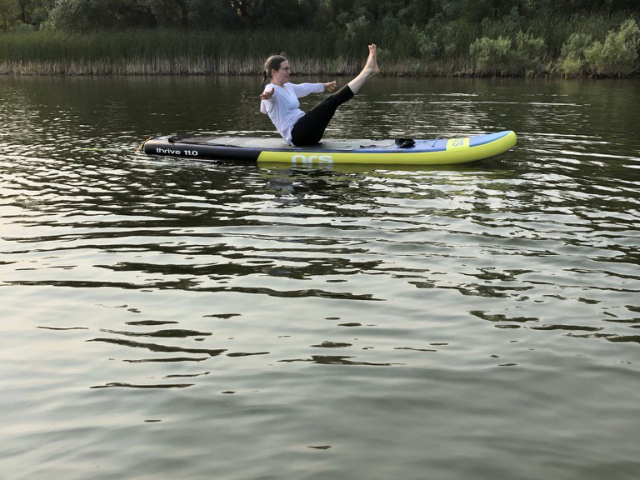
(267, 95)
(330, 86)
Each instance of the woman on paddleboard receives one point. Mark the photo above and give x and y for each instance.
(279, 100)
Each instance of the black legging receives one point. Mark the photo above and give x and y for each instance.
(309, 129)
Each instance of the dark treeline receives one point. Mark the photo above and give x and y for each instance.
(319, 15)
(483, 37)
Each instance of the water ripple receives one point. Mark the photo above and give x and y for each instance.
(261, 310)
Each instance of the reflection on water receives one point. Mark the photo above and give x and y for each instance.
(187, 306)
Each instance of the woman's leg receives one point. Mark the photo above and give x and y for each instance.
(310, 128)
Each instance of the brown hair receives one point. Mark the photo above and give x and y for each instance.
(272, 63)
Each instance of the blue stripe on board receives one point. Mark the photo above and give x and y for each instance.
(484, 139)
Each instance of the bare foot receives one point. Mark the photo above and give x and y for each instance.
(371, 67)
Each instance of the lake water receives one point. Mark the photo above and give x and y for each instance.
(164, 318)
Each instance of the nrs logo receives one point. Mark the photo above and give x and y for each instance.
(304, 160)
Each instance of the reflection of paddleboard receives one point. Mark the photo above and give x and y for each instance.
(381, 152)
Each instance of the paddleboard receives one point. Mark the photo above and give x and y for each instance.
(439, 151)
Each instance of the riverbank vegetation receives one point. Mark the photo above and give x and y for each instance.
(416, 37)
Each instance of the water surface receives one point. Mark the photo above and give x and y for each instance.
(167, 318)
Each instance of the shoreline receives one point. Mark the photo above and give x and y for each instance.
(186, 66)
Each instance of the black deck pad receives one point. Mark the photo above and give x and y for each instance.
(280, 144)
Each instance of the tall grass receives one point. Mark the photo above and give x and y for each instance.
(158, 52)
(512, 45)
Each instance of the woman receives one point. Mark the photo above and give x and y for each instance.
(280, 100)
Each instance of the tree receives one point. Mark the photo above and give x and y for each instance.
(8, 11)
(176, 12)
(86, 15)
(273, 13)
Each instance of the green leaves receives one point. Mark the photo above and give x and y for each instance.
(492, 56)
(617, 55)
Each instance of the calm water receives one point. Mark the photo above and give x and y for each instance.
(162, 318)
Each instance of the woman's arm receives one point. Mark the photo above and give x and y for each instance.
(267, 95)
(303, 89)
(267, 98)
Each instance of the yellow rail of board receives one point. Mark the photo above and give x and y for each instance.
(457, 151)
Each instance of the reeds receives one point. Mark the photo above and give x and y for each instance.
(145, 52)
(453, 48)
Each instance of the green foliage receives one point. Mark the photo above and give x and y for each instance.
(492, 56)
(428, 48)
(530, 53)
(480, 37)
(524, 55)
(357, 29)
(8, 12)
(572, 60)
(25, 28)
(618, 54)
(89, 15)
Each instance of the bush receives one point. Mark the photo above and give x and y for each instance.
(492, 55)
(530, 52)
(618, 54)
(572, 58)
(428, 47)
(25, 28)
(403, 41)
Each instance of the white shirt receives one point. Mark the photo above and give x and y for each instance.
(283, 107)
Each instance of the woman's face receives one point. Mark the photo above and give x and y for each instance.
(281, 76)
